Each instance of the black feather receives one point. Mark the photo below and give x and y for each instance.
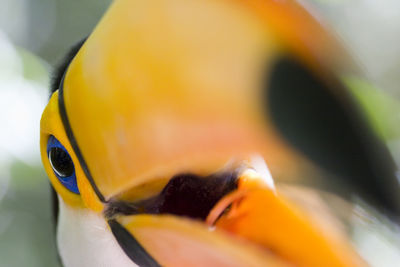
(63, 65)
(55, 83)
(57, 76)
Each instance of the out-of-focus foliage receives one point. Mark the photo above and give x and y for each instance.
(380, 108)
(26, 236)
(370, 29)
(35, 34)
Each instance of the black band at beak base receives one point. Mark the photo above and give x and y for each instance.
(131, 246)
(72, 140)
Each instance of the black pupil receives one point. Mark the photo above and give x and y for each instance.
(61, 162)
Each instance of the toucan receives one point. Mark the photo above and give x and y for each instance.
(196, 133)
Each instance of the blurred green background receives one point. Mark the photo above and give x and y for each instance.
(35, 34)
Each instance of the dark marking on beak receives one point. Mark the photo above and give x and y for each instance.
(131, 246)
(322, 120)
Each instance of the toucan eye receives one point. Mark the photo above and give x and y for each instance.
(62, 164)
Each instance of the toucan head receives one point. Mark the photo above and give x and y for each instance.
(171, 129)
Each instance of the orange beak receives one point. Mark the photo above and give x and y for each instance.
(251, 226)
(163, 88)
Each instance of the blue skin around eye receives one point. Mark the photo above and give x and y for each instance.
(70, 181)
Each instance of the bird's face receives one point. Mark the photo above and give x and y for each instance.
(160, 146)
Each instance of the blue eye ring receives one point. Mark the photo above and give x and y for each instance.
(62, 164)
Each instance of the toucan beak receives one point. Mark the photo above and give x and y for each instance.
(143, 109)
(161, 101)
(253, 225)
